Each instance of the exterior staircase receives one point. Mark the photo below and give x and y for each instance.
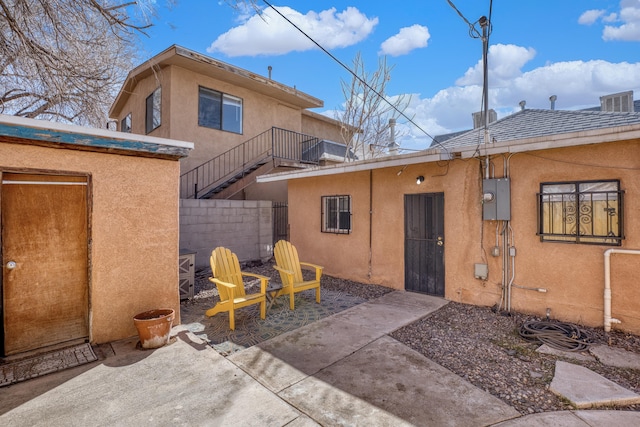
(230, 172)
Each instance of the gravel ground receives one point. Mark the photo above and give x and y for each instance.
(484, 347)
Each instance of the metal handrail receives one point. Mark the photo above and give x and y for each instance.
(273, 143)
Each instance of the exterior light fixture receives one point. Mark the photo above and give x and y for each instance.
(420, 180)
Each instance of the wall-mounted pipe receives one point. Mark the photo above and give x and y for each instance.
(608, 320)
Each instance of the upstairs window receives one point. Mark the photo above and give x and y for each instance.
(125, 124)
(336, 214)
(153, 116)
(588, 212)
(217, 110)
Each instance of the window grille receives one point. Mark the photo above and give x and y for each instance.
(336, 214)
(587, 212)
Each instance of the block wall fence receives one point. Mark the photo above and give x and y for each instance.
(244, 226)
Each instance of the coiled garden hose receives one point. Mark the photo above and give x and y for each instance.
(561, 336)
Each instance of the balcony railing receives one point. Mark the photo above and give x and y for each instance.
(274, 143)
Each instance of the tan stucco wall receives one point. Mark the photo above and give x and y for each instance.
(134, 231)
(180, 114)
(572, 274)
(317, 126)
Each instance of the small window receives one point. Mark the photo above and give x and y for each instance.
(153, 112)
(336, 214)
(588, 212)
(125, 124)
(219, 111)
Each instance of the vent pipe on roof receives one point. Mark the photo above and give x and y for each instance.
(269, 68)
(553, 98)
(522, 104)
(393, 147)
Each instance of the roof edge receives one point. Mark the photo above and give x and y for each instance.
(573, 139)
(166, 57)
(90, 138)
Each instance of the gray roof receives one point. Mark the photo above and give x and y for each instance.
(538, 123)
(439, 139)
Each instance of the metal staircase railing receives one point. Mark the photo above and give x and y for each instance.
(274, 143)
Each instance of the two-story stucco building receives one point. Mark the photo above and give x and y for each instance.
(238, 121)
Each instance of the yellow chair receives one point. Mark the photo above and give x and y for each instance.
(290, 269)
(229, 281)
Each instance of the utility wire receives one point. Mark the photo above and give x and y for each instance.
(354, 75)
(484, 35)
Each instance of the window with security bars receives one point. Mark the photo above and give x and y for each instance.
(587, 212)
(336, 214)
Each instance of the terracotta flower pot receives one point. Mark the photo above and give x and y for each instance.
(154, 327)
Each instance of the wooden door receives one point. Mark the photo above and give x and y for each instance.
(424, 243)
(44, 259)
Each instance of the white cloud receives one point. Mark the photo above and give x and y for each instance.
(577, 84)
(627, 21)
(270, 34)
(504, 63)
(590, 16)
(407, 39)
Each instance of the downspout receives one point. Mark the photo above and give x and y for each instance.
(370, 222)
(608, 320)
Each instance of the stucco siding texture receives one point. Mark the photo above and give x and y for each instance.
(259, 114)
(571, 274)
(134, 229)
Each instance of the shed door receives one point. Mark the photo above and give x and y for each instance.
(44, 260)
(424, 243)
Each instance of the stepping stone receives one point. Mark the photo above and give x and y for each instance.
(545, 349)
(616, 357)
(586, 389)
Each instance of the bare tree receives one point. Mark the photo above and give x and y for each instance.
(63, 60)
(367, 109)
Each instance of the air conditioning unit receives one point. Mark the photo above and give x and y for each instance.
(617, 103)
(478, 118)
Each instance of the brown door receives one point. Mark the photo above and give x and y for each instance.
(44, 260)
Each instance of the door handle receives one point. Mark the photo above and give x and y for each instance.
(11, 265)
(440, 242)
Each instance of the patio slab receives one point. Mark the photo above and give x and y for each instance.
(388, 384)
(184, 383)
(291, 357)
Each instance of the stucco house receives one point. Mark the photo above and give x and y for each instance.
(544, 218)
(242, 124)
(89, 232)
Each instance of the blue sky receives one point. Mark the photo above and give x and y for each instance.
(577, 50)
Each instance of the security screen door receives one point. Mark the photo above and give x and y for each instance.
(424, 243)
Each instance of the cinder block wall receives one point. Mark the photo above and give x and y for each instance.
(244, 226)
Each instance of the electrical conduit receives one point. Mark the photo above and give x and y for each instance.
(608, 320)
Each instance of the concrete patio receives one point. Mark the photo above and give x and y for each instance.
(341, 370)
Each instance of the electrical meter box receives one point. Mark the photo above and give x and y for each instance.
(496, 199)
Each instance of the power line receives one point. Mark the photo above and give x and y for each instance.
(354, 74)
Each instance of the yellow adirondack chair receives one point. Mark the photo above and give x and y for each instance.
(290, 269)
(228, 279)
